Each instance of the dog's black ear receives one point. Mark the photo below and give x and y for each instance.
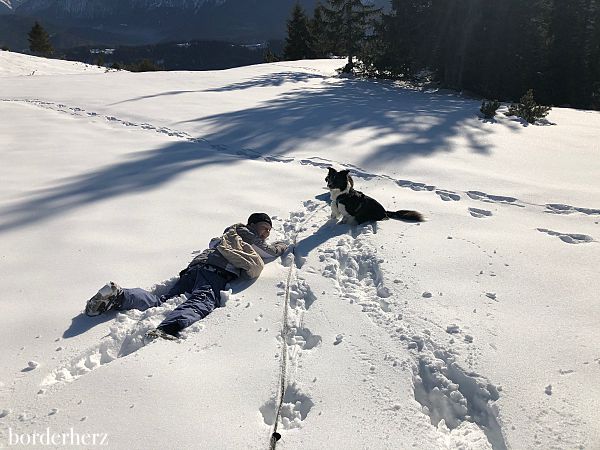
(331, 170)
(345, 172)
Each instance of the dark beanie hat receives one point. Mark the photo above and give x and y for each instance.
(259, 217)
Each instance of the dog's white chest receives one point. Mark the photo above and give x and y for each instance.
(343, 211)
(338, 209)
(346, 216)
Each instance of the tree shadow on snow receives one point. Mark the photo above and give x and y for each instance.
(268, 80)
(405, 124)
(144, 171)
(160, 94)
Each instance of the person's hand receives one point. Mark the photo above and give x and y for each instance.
(281, 247)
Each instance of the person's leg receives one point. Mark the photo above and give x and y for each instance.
(141, 299)
(137, 298)
(201, 303)
(187, 279)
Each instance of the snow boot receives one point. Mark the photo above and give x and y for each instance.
(158, 333)
(108, 297)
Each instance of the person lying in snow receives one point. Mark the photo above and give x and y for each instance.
(240, 252)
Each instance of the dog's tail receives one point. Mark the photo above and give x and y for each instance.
(406, 215)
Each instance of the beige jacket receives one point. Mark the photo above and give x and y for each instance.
(240, 254)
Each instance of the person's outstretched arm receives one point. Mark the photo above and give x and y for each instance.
(264, 249)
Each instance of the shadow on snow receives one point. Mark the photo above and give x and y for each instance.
(407, 124)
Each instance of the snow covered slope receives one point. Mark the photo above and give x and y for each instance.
(477, 329)
(17, 64)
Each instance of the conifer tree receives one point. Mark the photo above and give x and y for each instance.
(348, 22)
(39, 41)
(396, 50)
(528, 109)
(298, 43)
(456, 24)
(321, 46)
(594, 58)
(269, 56)
(569, 49)
(498, 49)
(524, 49)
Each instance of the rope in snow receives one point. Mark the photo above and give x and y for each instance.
(285, 330)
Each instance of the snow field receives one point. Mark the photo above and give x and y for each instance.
(475, 329)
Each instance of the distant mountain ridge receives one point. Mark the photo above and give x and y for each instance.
(152, 21)
(90, 9)
(137, 22)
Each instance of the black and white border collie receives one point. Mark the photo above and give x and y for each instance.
(355, 207)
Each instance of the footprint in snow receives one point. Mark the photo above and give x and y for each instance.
(482, 196)
(448, 195)
(304, 339)
(452, 329)
(295, 407)
(558, 208)
(480, 213)
(569, 238)
(276, 158)
(31, 365)
(415, 186)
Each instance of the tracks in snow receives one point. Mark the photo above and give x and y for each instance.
(447, 392)
(357, 270)
(569, 238)
(126, 336)
(291, 407)
(249, 153)
(452, 397)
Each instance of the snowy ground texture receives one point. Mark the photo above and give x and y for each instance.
(477, 329)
